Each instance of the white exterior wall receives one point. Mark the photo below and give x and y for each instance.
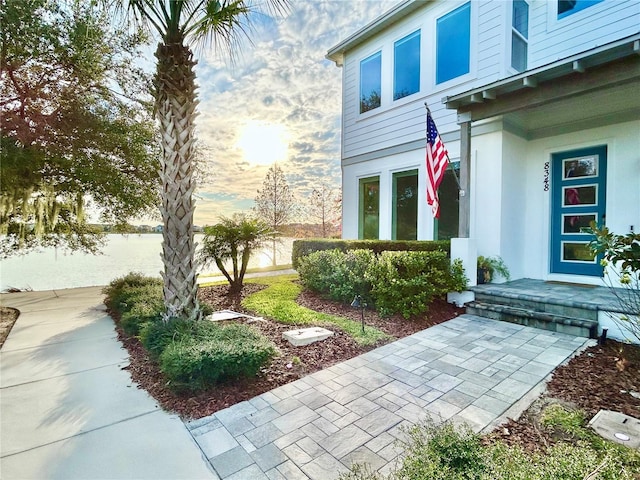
(403, 121)
(384, 168)
(623, 193)
(551, 39)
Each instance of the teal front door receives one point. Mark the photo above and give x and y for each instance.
(578, 184)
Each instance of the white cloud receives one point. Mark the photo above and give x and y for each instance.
(283, 80)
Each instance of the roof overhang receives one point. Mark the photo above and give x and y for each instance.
(602, 84)
(398, 12)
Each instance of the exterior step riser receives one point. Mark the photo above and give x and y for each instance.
(550, 308)
(537, 320)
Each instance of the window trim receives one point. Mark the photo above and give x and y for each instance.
(361, 182)
(569, 13)
(553, 22)
(514, 31)
(379, 52)
(394, 198)
(472, 46)
(405, 38)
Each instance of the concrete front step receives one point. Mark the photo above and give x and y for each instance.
(543, 304)
(582, 327)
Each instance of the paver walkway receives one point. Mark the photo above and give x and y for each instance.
(468, 369)
(70, 411)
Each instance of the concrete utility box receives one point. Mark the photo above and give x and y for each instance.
(305, 336)
(617, 427)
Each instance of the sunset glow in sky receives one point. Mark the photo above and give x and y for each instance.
(281, 102)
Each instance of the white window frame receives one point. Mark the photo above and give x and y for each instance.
(514, 31)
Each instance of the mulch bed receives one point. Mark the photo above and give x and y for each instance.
(602, 377)
(293, 363)
(8, 317)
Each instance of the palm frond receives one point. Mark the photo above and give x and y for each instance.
(224, 23)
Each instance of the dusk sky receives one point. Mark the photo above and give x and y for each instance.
(281, 102)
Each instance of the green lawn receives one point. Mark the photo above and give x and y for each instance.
(278, 301)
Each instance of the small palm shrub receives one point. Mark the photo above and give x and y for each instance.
(214, 353)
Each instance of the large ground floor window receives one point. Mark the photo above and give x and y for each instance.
(369, 208)
(446, 227)
(405, 205)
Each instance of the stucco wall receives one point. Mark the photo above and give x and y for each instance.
(510, 211)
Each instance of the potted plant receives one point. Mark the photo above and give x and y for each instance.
(488, 266)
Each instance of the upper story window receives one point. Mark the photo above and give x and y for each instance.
(569, 7)
(406, 67)
(370, 82)
(519, 35)
(453, 44)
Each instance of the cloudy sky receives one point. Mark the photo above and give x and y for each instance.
(280, 101)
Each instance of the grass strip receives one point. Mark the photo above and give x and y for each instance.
(278, 301)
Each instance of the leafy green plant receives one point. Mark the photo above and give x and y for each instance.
(157, 336)
(489, 266)
(215, 353)
(407, 282)
(141, 313)
(447, 452)
(304, 247)
(123, 292)
(341, 275)
(621, 262)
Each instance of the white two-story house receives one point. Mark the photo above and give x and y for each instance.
(538, 104)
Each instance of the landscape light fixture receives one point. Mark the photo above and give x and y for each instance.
(358, 302)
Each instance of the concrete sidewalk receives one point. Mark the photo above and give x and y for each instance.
(68, 410)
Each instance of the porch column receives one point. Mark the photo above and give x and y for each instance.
(463, 247)
(464, 220)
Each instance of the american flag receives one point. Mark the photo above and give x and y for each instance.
(437, 161)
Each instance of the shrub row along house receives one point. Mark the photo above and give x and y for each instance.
(538, 104)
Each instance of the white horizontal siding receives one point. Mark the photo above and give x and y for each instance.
(395, 123)
(401, 122)
(551, 39)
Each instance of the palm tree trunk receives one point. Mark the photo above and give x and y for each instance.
(175, 110)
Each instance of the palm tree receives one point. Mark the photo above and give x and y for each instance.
(181, 24)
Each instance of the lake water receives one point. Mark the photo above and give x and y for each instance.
(54, 269)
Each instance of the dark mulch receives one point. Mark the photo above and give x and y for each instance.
(602, 377)
(293, 363)
(8, 317)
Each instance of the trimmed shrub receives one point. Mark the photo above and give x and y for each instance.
(123, 292)
(340, 275)
(141, 313)
(215, 353)
(302, 248)
(156, 336)
(407, 282)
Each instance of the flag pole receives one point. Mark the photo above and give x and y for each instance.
(453, 170)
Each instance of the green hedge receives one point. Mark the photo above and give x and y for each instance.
(191, 354)
(403, 282)
(137, 299)
(408, 282)
(341, 275)
(304, 247)
(214, 353)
